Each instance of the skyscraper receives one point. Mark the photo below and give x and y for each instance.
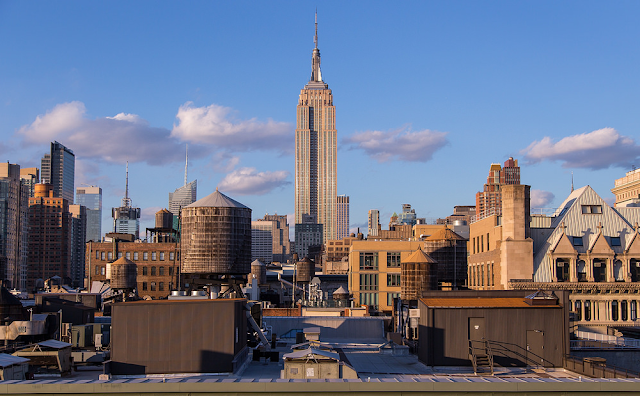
(49, 247)
(185, 195)
(316, 151)
(58, 169)
(489, 200)
(126, 219)
(14, 201)
(373, 223)
(343, 216)
(91, 198)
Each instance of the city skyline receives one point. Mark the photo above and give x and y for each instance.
(429, 95)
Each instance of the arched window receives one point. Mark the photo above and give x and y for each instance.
(618, 273)
(624, 307)
(614, 310)
(578, 311)
(582, 271)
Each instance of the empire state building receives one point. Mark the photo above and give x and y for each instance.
(316, 151)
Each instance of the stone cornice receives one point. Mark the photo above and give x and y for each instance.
(589, 287)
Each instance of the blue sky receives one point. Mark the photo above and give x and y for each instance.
(427, 96)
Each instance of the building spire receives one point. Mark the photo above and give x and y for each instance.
(571, 181)
(186, 164)
(316, 75)
(315, 39)
(126, 201)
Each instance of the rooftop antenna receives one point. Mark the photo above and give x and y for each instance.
(315, 39)
(126, 201)
(186, 163)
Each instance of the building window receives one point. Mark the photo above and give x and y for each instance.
(153, 286)
(615, 241)
(599, 270)
(624, 307)
(161, 286)
(390, 297)
(393, 279)
(368, 281)
(171, 256)
(97, 270)
(153, 271)
(119, 254)
(102, 271)
(634, 309)
(144, 285)
(128, 256)
(102, 256)
(161, 256)
(368, 261)
(591, 209)
(487, 241)
(617, 271)
(170, 271)
(587, 310)
(578, 311)
(97, 255)
(110, 256)
(135, 256)
(393, 259)
(370, 299)
(161, 271)
(145, 256)
(614, 310)
(562, 270)
(582, 271)
(145, 271)
(154, 256)
(577, 241)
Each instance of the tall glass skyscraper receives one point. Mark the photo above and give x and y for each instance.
(316, 151)
(185, 195)
(91, 198)
(58, 169)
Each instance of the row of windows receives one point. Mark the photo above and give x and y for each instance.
(613, 241)
(136, 256)
(369, 260)
(620, 310)
(479, 244)
(371, 299)
(159, 271)
(153, 286)
(477, 275)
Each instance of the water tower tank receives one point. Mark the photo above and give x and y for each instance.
(418, 273)
(305, 270)
(216, 236)
(164, 219)
(259, 271)
(123, 274)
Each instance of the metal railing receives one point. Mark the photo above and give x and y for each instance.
(589, 340)
(596, 369)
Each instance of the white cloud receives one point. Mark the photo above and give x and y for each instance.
(541, 198)
(124, 137)
(224, 162)
(599, 149)
(215, 125)
(399, 145)
(247, 181)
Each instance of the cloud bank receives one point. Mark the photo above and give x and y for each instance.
(124, 137)
(398, 145)
(541, 198)
(247, 181)
(215, 125)
(602, 148)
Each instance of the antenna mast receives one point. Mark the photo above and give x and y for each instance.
(126, 201)
(186, 164)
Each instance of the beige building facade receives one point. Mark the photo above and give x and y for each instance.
(627, 189)
(374, 271)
